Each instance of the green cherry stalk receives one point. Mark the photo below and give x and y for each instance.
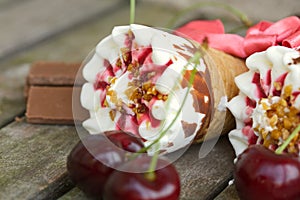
(132, 12)
(280, 149)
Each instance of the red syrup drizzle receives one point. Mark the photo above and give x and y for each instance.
(102, 77)
(147, 72)
(249, 133)
(262, 90)
(152, 72)
(250, 103)
(127, 123)
(280, 80)
(268, 78)
(141, 54)
(102, 82)
(141, 58)
(295, 94)
(259, 86)
(247, 130)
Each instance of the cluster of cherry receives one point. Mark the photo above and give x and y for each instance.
(109, 166)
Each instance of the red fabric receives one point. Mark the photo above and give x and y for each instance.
(292, 41)
(259, 37)
(207, 26)
(257, 43)
(229, 43)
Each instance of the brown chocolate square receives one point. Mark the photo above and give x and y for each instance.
(53, 105)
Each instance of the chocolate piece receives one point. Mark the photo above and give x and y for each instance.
(48, 91)
(55, 73)
(53, 105)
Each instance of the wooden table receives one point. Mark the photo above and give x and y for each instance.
(33, 157)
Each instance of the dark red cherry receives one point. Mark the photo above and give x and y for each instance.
(125, 140)
(95, 157)
(128, 185)
(262, 174)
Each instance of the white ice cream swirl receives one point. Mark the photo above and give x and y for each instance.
(135, 84)
(267, 108)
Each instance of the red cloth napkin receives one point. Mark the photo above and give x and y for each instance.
(259, 37)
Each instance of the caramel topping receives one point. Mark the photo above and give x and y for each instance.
(113, 96)
(112, 114)
(119, 63)
(283, 118)
(145, 91)
(125, 51)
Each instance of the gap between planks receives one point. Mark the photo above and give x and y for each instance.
(32, 160)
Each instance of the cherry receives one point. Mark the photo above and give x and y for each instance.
(126, 141)
(262, 174)
(95, 157)
(128, 185)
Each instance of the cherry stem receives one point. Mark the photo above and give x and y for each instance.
(242, 17)
(281, 148)
(132, 11)
(195, 59)
(150, 174)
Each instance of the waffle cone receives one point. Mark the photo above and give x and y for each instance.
(222, 68)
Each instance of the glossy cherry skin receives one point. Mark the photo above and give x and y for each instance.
(261, 174)
(94, 158)
(127, 185)
(125, 140)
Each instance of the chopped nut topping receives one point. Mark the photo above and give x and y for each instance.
(283, 118)
(113, 80)
(112, 114)
(113, 96)
(137, 92)
(134, 68)
(119, 63)
(277, 85)
(125, 54)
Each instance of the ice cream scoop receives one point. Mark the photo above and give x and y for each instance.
(138, 81)
(267, 108)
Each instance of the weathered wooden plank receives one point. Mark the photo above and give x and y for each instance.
(35, 20)
(200, 178)
(75, 44)
(32, 160)
(228, 194)
(204, 178)
(74, 194)
(12, 101)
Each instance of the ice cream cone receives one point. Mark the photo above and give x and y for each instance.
(222, 69)
(138, 81)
